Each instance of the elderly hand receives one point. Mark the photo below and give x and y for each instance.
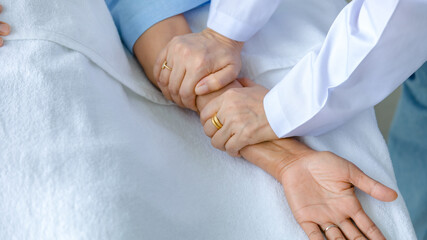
(206, 59)
(4, 28)
(240, 111)
(319, 187)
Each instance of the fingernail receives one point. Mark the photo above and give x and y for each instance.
(202, 88)
(4, 28)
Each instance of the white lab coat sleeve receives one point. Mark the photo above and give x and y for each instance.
(371, 48)
(240, 20)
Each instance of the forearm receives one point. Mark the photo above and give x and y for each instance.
(156, 38)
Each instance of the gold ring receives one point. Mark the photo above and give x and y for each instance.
(166, 66)
(329, 227)
(215, 121)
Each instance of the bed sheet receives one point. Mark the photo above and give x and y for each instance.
(90, 150)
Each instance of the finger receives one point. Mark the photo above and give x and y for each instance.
(175, 79)
(209, 128)
(312, 230)
(211, 109)
(366, 225)
(221, 137)
(161, 58)
(187, 93)
(370, 186)
(4, 29)
(246, 82)
(349, 230)
(217, 80)
(164, 74)
(233, 146)
(333, 232)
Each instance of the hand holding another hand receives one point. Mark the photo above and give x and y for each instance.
(197, 63)
(240, 111)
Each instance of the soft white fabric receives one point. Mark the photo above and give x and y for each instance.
(83, 156)
(372, 47)
(240, 20)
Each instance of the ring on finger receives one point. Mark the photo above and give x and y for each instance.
(329, 227)
(165, 65)
(215, 121)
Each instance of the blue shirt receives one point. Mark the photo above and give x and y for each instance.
(134, 17)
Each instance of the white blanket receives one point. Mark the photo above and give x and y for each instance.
(90, 150)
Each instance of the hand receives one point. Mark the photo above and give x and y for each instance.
(4, 28)
(319, 187)
(206, 59)
(241, 112)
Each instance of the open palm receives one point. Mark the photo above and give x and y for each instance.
(319, 187)
(320, 191)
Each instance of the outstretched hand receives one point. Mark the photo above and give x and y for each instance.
(4, 28)
(319, 187)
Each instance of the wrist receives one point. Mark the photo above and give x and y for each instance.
(210, 33)
(292, 153)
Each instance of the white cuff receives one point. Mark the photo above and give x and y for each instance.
(229, 26)
(275, 116)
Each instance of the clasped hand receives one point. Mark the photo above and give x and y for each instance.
(197, 63)
(201, 63)
(241, 112)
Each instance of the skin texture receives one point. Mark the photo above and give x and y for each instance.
(205, 62)
(238, 110)
(4, 29)
(206, 59)
(319, 186)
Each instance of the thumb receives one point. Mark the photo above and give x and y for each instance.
(370, 186)
(246, 82)
(217, 80)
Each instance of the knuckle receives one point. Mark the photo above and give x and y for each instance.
(185, 51)
(178, 46)
(231, 149)
(235, 120)
(199, 62)
(246, 135)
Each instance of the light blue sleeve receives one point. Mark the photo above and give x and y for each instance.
(134, 17)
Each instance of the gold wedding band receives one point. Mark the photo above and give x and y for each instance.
(166, 66)
(215, 121)
(329, 227)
